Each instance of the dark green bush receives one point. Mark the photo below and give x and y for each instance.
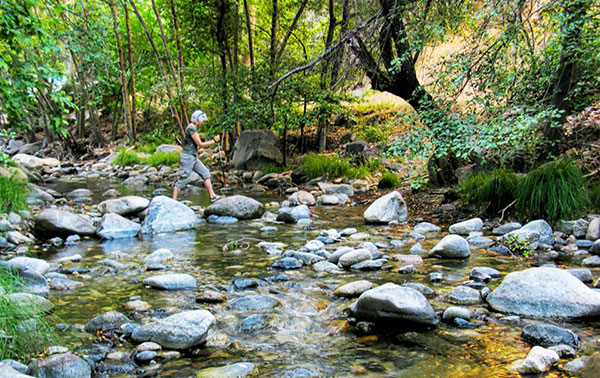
(495, 190)
(24, 330)
(13, 195)
(389, 180)
(553, 191)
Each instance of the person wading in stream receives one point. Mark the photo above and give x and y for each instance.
(189, 159)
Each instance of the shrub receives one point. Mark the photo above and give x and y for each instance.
(273, 168)
(126, 158)
(389, 180)
(24, 330)
(13, 195)
(594, 191)
(162, 158)
(375, 133)
(495, 190)
(314, 166)
(553, 191)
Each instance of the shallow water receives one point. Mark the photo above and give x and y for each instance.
(308, 328)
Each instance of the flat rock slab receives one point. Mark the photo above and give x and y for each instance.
(254, 303)
(545, 293)
(240, 207)
(353, 289)
(54, 221)
(173, 281)
(124, 205)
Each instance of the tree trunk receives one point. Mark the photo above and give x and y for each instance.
(124, 85)
(338, 57)
(222, 49)
(131, 74)
(324, 118)
(273, 49)
(249, 31)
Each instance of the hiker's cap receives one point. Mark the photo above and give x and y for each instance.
(198, 115)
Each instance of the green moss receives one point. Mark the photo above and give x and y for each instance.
(13, 195)
(553, 191)
(493, 190)
(24, 330)
(389, 180)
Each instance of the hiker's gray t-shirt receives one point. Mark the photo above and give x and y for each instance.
(189, 146)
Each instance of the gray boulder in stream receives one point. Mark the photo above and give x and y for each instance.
(167, 215)
(124, 205)
(451, 247)
(114, 226)
(385, 209)
(399, 305)
(545, 293)
(240, 207)
(63, 365)
(180, 331)
(293, 214)
(54, 221)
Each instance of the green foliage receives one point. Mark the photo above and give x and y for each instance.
(13, 195)
(375, 133)
(389, 180)
(126, 158)
(162, 158)
(314, 166)
(518, 245)
(24, 330)
(5, 160)
(553, 191)
(594, 191)
(493, 190)
(273, 168)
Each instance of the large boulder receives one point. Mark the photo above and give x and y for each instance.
(390, 207)
(7, 371)
(545, 293)
(451, 247)
(33, 162)
(240, 207)
(302, 197)
(254, 148)
(548, 335)
(466, 227)
(168, 149)
(38, 266)
(293, 214)
(30, 304)
(180, 331)
(167, 215)
(60, 222)
(541, 227)
(328, 188)
(114, 226)
(63, 365)
(395, 304)
(124, 205)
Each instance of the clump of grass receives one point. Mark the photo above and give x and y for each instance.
(24, 330)
(273, 168)
(162, 158)
(13, 195)
(389, 180)
(495, 190)
(147, 148)
(314, 166)
(126, 158)
(553, 191)
(594, 191)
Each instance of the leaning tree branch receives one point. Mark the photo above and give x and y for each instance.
(344, 39)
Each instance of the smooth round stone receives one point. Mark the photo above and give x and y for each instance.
(425, 227)
(287, 263)
(407, 269)
(159, 256)
(254, 323)
(464, 295)
(584, 275)
(148, 346)
(254, 303)
(210, 296)
(268, 229)
(548, 335)
(137, 306)
(353, 289)
(451, 247)
(436, 277)
(174, 281)
(452, 313)
(145, 357)
(368, 265)
(354, 257)
(106, 321)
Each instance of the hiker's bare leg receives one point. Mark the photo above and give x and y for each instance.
(175, 192)
(208, 186)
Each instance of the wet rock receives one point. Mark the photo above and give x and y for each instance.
(425, 227)
(244, 284)
(451, 247)
(111, 193)
(353, 289)
(137, 306)
(65, 365)
(254, 303)
(484, 274)
(124, 205)
(394, 303)
(38, 266)
(180, 331)
(80, 193)
(54, 221)
(423, 289)
(159, 256)
(576, 365)
(106, 321)
(287, 263)
(592, 262)
(335, 256)
(563, 350)
(167, 215)
(466, 227)
(538, 360)
(301, 373)
(32, 162)
(506, 228)
(354, 257)
(239, 207)
(540, 227)
(333, 189)
(302, 197)
(254, 148)
(145, 357)
(595, 248)
(436, 277)
(332, 199)
(390, 207)
(305, 257)
(548, 335)
(293, 214)
(593, 231)
(480, 241)
(7, 371)
(464, 295)
(584, 275)
(114, 226)
(210, 296)
(409, 259)
(30, 303)
(369, 265)
(63, 284)
(215, 219)
(173, 281)
(254, 323)
(238, 370)
(545, 292)
(327, 267)
(113, 264)
(452, 313)
(417, 249)
(15, 237)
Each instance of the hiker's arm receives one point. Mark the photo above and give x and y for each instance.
(202, 144)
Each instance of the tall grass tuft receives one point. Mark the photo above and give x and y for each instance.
(162, 158)
(13, 195)
(24, 330)
(126, 158)
(594, 191)
(314, 166)
(553, 191)
(129, 158)
(389, 180)
(493, 190)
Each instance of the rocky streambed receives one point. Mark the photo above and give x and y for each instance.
(301, 286)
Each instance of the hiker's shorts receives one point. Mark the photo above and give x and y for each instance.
(189, 164)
